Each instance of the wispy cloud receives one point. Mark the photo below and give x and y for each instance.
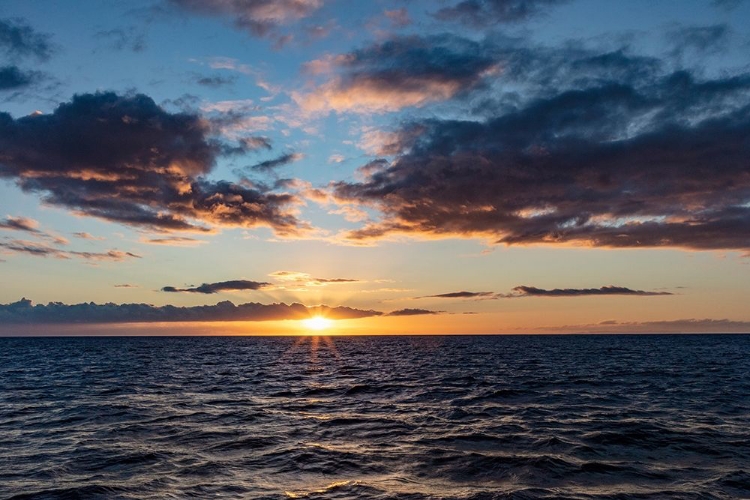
(19, 40)
(177, 241)
(304, 279)
(262, 18)
(481, 13)
(39, 249)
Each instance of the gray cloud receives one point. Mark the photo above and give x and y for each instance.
(222, 286)
(458, 295)
(412, 312)
(268, 165)
(14, 78)
(24, 312)
(400, 72)
(488, 12)
(215, 81)
(126, 160)
(700, 39)
(658, 162)
(531, 291)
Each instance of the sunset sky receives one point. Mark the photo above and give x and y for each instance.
(401, 166)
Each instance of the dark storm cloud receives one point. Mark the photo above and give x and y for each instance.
(458, 295)
(222, 286)
(279, 161)
(531, 291)
(657, 162)
(412, 312)
(23, 312)
(258, 17)
(126, 160)
(19, 40)
(489, 12)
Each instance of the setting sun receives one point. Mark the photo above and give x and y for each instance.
(317, 323)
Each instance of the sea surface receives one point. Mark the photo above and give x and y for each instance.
(461, 417)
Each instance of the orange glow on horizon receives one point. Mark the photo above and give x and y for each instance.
(317, 323)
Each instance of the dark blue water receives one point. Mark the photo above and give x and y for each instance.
(376, 417)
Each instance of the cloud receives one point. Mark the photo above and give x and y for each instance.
(656, 162)
(268, 165)
(412, 312)
(178, 241)
(123, 39)
(458, 295)
(87, 236)
(39, 249)
(23, 312)
(398, 17)
(126, 285)
(19, 40)
(13, 78)
(20, 224)
(665, 326)
(222, 286)
(726, 4)
(480, 13)
(531, 291)
(124, 159)
(112, 255)
(304, 279)
(699, 39)
(215, 81)
(261, 18)
(408, 71)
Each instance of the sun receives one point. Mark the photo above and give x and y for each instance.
(317, 323)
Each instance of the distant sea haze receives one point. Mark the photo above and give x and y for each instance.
(459, 417)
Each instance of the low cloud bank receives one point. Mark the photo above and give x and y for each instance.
(24, 312)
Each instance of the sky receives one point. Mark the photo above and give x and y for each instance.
(401, 166)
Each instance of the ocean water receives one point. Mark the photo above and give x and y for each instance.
(462, 417)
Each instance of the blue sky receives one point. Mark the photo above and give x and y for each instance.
(381, 156)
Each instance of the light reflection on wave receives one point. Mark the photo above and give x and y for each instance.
(376, 417)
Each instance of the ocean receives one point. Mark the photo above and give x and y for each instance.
(412, 417)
